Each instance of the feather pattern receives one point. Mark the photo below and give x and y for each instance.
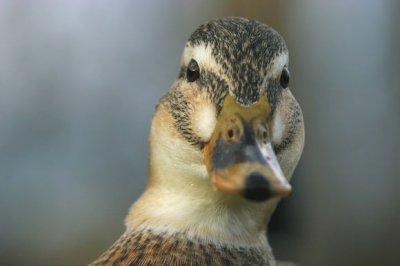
(147, 247)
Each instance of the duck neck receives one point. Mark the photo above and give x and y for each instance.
(198, 211)
(211, 217)
(180, 197)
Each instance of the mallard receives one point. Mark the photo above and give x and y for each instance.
(224, 142)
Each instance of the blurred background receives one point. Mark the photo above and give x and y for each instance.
(78, 84)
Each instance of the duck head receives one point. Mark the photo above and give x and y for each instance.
(229, 131)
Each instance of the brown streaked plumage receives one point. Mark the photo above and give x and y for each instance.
(146, 247)
(224, 142)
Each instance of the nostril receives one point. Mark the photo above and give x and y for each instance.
(257, 187)
(230, 133)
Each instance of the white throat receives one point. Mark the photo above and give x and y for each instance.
(180, 197)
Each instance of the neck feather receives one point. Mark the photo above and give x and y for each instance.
(180, 197)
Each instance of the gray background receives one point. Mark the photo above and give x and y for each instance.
(78, 85)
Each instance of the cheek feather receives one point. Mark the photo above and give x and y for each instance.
(204, 120)
(278, 127)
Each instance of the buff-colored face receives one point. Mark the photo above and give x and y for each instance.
(232, 105)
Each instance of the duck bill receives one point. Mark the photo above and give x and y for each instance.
(239, 156)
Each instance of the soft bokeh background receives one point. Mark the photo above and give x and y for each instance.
(78, 84)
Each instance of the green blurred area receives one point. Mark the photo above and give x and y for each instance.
(78, 84)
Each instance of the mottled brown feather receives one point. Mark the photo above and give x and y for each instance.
(146, 247)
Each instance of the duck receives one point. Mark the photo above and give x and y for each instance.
(224, 142)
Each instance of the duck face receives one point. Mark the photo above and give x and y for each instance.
(235, 124)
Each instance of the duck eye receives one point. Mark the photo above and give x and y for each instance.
(193, 71)
(285, 77)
